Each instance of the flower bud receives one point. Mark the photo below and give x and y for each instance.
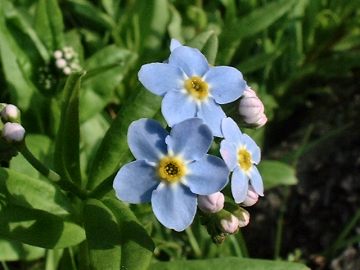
(229, 225)
(60, 63)
(67, 70)
(58, 54)
(13, 132)
(10, 114)
(251, 109)
(211, 203)
(251, 197)
(243, 217)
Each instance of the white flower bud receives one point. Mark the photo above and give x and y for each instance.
(251, 197)
(60, 63)
(58, 54)
(67, 70)
(10, 114)
(244, 218)
(230, 225)
(251, 109)
(13, 132)
(211, 203)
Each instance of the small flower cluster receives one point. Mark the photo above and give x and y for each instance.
(12, 131)
(172, 169)
(67, 60)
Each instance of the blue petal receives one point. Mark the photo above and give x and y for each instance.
(239, 185)
(229, 154)
(226, 83)
(146, 139)
(212, 114)
(256, 181)
(135, 182)
(207, 175)
(159, 78)
(252, 148)
(190, 139)
(231, 131)
(174, 44)
(190, 60)
(174, 206)
(176, 107)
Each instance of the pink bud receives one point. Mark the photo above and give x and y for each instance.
(230, 225)
(60, 63)
(13, 132)
(211, 203)
(251, 197)
(244, 218)
(252, 109)
(10, 113)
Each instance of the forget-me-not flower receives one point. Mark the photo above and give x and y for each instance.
(241, 154)
(191, 87)
(170, 170)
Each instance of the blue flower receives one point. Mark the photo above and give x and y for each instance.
(240, 153)
(170, 170)
(192, 88)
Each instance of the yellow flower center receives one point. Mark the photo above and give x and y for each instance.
(244, 159)
(171, 169)
(197, 88)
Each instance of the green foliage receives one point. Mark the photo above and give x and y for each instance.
(287, 51)
(68, 137)
(228, 264)
(276, 173)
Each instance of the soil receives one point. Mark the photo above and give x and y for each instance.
(328, 193)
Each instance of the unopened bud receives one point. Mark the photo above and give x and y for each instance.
(230, 225)
(58, 54)
(244, 218)
(251, 109)
(67, 70)
(240, 213)
(211, 203)
(251, 197)
(60, 63)
(10, 114)
(13, 132)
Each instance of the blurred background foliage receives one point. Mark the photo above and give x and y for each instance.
(302, 57)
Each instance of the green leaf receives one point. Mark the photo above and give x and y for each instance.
(34, 193)
(38, 228)
(92, 131)
(229, 263)
(19, 19)
(145, 25)
(67, 154)
(115, 239)
(90, 15)
(257, 21)
(16, 66)
(275, 173)
(49, 24)
(40, 146)
(138, 247)
(11, 250)
(114, 151)
(106, 69)
(256, 62)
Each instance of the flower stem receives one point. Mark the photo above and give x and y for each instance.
(3, 264)
(39, 166)
(193, 242)
(50, 174)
